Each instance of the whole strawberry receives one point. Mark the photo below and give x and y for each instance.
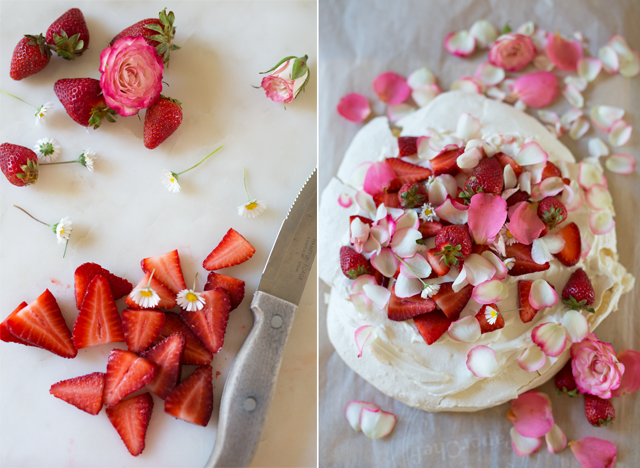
(453, 244)
(69, 35)
(412, 195)
(82, 99)
(30, 56)
(599, 412)
(157, 32)
(578, 293)
(551, 211)
(19, 164)
(354, 264)
(565, 383)
(161, 120)
(486, 177)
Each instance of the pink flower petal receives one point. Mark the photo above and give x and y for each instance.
(609, 59)
(620, 163)
(408, 219)
(360, 281)
(629, 58)
(437, 193)
(579, 83)
(385, 262)
(465, 330)
(482, 362)
(501, 268)
(468, 127)
(567, 196)
(467, 85)
(396, 112)
(488, 74)
(478, 269)
(563, 53)
(420, 77)
(484, 32)
(407, 287)
(586, 248)
(573, 95)
(556, 440)
(404, 243)
(531, 153)
(531, 414)
(354, 107)
(379, 295)
(631, 377)
(551, 186)
(460, 43)
(524, 446)
(525, 224)
(353, 409)
(601, 222)
(469, 159)
(360, 302)
(576, 325)
(361, 336)
(542, 295)
(578, 128)
(619, 133)
(391, 88)
(359, 173)
(344, 200)
(452, 213)
(365, 201)
(590, 174)
(379, 175)
(593, 452)
(376, 423)
(550, 337)
(488, 292)
(548, 117)
(486, 215)
(599, 198)
(605, 116)
(532, 359)
(589, 68)
(415, 267)
(538, 89)
(597, 148)
(425, 94)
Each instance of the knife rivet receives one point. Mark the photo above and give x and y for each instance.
(276, 321)
(250, 404)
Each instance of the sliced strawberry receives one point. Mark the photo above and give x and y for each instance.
(407, 146)
(131, 419)
(503, 159)
(550, 170)
(232, 250)
(432, 325)
(141, 328)
(445, 162)
(450, 302)
(493, 313)
(192, 400)
(98, 321)
(126, 373)
(167, 298)
(210, 323)
(524, 263)
(167, 270)
(527, 312)
(570, 254)
(430, 228)
(407, 172)
(401, 309)
(41, 323)
(479, 248)
(84, 392)
(195, 352)
(390, 200)
(436, 262)
(517, 197)
(120, 287)
(166, 356)
(233, 286)
(6, 335)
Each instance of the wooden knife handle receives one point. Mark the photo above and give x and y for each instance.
(249, 387)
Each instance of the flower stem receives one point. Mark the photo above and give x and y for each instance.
(59, 162)
(16, 97)
(411, 270)
(244, 178)
(206, 157)
(194, 282)
(149, 283)
(65, 248)
(22, 209)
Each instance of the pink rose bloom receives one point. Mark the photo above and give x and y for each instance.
(131, 75)
(512, 52)
(282, 85)
(595, 367)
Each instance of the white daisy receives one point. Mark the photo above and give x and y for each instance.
(88, 158)
(47, 149)
(190, 300)
(145, 297)
(41, 112)
(509, 262)
(170, 181)
(429, 181)
(63, 229)
(508, 237)
(491, 315)
(428, 213)
(252, 209)
(429, 290)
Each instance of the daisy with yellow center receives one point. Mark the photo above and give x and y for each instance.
(428, 213)
(146, 297)
(170, 179)
(491, 315)
(62, 230)
(87, 158)
(506, 233)
(253, 208)
(190, 300)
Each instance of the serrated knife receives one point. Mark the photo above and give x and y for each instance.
(249, 387)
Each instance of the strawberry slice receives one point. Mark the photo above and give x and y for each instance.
(6, 335)
(126, 373)
(210, 323)
(401, 309)
(233, 286)
(432, 325)
(445, 162)
(503, 159)
(98, 321)
(84, 392)
(430, 228)
(389, 200)
(524, 264)
(450, 302)
(408, 173)
(407, 146)
(166, 356)
(131, 419)
(527, 312)
(41, 324)
(192, 400)
(167, 298)
(437, 263)
(485, 326)
(168, 271)
(550, 170)
(141, 328)
(232, 250)
(570, 254)
(120, 287)
(517, 197)
(194, 351)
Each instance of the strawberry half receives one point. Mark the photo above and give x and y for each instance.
(166, 356)
(578, 293)
(41, 324)
(19, 164)
(83, 100)
(120, 287)
(210, 323)
(194, 351)
(517, 197)
(404, 308)
(438, 265)
(527, 312)
(407, 146)
(450, 302)
(167, 270)
(126, 373)
(141, 328)
(192, 400)
(430, 228)
(570, 254)
(505, 160)
(487, 313)
(432, 325)
(445, 162)
(167, 298)
(565, 383)
(408, 173)
(6, 335)
(161, 120)
(550, 170)
(233, 286)
(389, 200)
(84, 392)
(131, 419)
(232, 250)
(69, 35)
(98, 321)
(524, 263)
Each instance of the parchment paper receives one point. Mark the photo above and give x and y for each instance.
(361, 39)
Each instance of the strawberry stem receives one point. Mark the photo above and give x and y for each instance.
(206, 157)
(16, 97)
(23, 210)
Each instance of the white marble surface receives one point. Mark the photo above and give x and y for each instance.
(121, 214)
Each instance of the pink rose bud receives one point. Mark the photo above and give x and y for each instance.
(537, 89)
(512, 52)
(595, 367)
(289, 78)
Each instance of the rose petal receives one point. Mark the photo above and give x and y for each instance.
(344, 200)
(544, 63)
(469, 159)
(601, 222)
(420, 77)
(487, 214)
(556, 440)
(570, 116)
(605, 116)
(542, 295)
(579, 83)
(540, 252)
(531, 153)
(524, 181)
(488, 74)
(620, 163)
(404, 243)
(563, 53)
(578, 128)
(589, 68)
(629, 59)
(488, 292)
(527, 28)
(359, 173)
(396, 112)
(437, 193)
(496, 93)
(468, 127)
(593, 452)
(378, 294)
(391, 88)
(482, 362)
(597, 148)
(425, 94)
(361, 302)
(538, 89)
(531, 414)
(532, 359)
(524, 446)
(409, 218)
(460, 281)
(376, 423)
(466, 330)
(354, 107)
(449, 212)
(554, 243)
(599, 198)
(590, 174)
(460, 43)
(586, 248)
(573, 95)
(361, 336)
(467, 85)
(525, 224)
(378, 177)
(360, 281)
(576, 325)
(619, 133)
(631, 377)
(449, 183)
(484, 32)
(551, 186)
(365, 201)
(548, 116)
(510, 179)
(440, 142)
(609, 59)
(550, 337)
(478, 269)
(407, 287)
(418, 267)
(501, 268)
(353, 409)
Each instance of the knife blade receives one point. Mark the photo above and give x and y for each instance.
(249, 387)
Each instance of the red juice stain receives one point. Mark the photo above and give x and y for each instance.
(217, 374)
(56, 282)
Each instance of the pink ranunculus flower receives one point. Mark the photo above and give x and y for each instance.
(595, 367)
(512, 52)
(288, 79)
(131, 75)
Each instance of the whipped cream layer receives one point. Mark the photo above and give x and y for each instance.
(399, 362)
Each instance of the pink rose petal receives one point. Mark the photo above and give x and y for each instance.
(365, 201)
(359, 173)
(592, 452)
(589, 68)
(467, 85)
(609, 59)
(360, 281)
(420, 77)
(567, 196)
(407, 287)
(469, 159)
(576, 325)
(619, 133)
(538, 89)
(578, 128)
(532, 359)
(408, 219)
(563, 53)
(404, 243)
(601, 222)
(385, 262)
(489, 74)
(531, 153)
(376, 423)
(488, 292)
(550, 337)
(605, 116)
(465, 330)
(425, 94)
(415, 267)
(599, 198)
(631, 377)
(344, 200)
(486, 215)
(460, 43)
(452, 212)
(629, 58)
(379, 295)
(354, 107)
(542, 295)
(544, 63)
(391, 88)
(573, 95)
(556, 440)
(501, 268)
(361, 336)
(482, 362)
(378, 177)
(353, 409)
(478, 269)
(468, 127)
(524, 446)
(525, 224)
(548, 117)
(531, 414)
(484, 32)
(590, 174)
(597, 148)
(360, 302)
(551, 186)
(620, 163)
